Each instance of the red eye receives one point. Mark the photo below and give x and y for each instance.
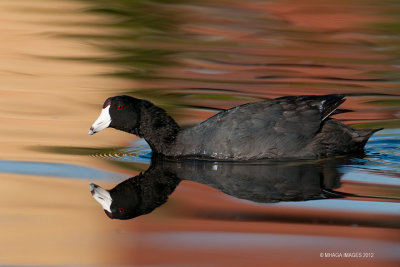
(120, 107)
(121, 211)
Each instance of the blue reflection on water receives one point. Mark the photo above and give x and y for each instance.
(54, 169)
(382, 152)
(138, 152)
(381, 165)
(351, 174)
(375, 207)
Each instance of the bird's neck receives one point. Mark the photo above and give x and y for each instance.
(157, 128)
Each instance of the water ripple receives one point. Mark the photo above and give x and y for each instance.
(382, 154)
(138, 152)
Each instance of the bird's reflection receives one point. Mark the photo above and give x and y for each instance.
(263, 182)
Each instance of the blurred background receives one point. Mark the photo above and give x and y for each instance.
(61, 59)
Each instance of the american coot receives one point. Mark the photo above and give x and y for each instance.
(285, 127)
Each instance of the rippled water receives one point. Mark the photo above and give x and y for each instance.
(60, 61)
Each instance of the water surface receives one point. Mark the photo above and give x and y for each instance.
(60, 61)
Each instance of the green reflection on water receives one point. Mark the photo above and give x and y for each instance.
(382, 123)
(170, 49)
(106, 153)
(78, 150)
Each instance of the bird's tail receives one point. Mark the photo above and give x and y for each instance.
(364, 135)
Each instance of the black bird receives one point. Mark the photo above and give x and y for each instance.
(285, 127)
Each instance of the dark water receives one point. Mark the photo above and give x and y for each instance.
(194, 58)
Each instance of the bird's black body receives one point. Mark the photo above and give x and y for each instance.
(285, 127)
